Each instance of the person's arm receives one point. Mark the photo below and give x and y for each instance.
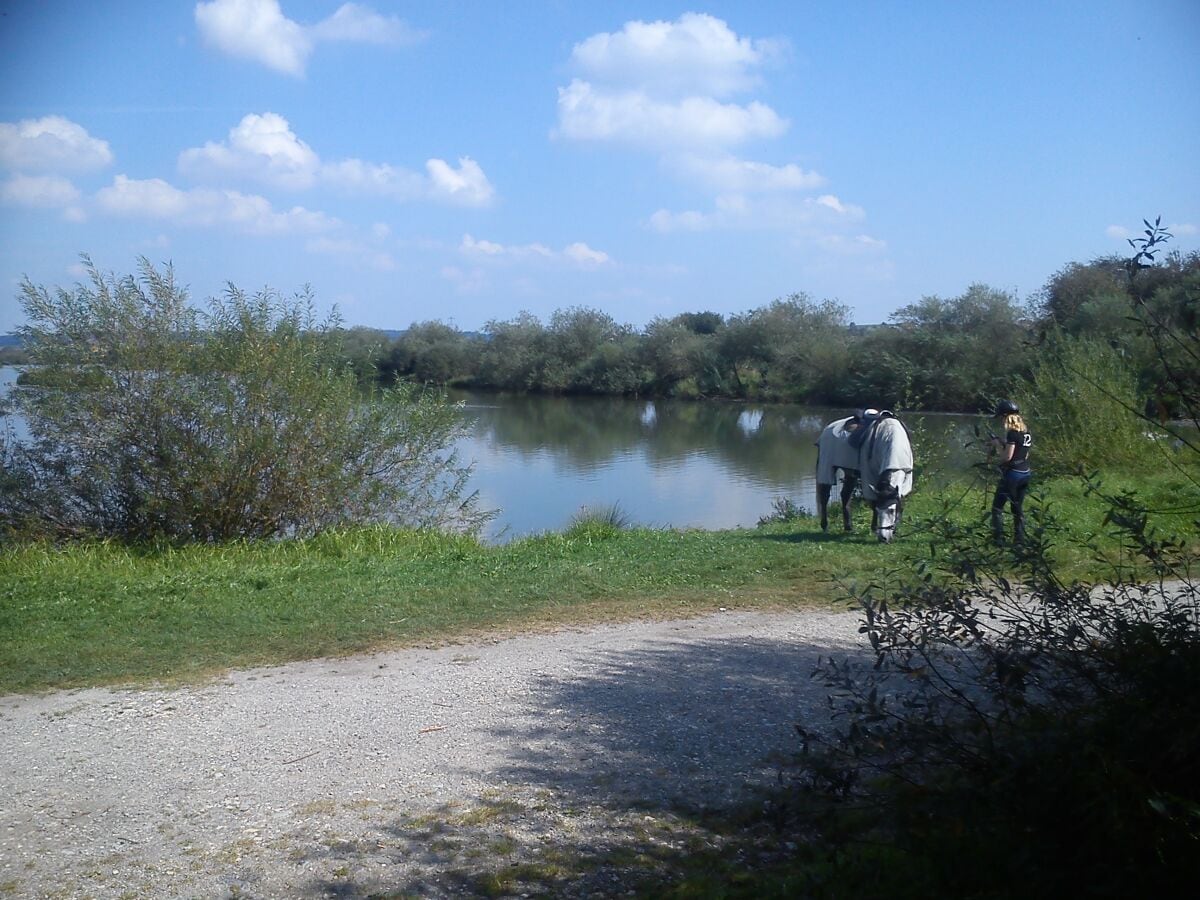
(1008, 449)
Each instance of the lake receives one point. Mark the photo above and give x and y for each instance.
(541, 460)
(685, 464)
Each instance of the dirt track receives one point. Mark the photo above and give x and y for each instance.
(509, 765)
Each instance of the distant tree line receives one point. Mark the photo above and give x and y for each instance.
(938, 353)
(954, 354)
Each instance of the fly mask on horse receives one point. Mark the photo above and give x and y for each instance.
(885, 462)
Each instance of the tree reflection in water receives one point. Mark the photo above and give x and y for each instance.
(677, 463)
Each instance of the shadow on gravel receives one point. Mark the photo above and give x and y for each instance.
(620, 775)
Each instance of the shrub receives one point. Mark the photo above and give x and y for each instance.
(1018, 736)
(153, 420)
(1082, 404)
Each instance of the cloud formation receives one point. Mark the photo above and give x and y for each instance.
(728, 173)
(51, 144)
(669, 87)
(578, 253)
(38, 192)
(666, 84)
(263, 147)
(588, 113)
(813, 216)
(258, 30)
(153, 198)
(695, 55)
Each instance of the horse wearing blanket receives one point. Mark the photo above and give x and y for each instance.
(872, 447)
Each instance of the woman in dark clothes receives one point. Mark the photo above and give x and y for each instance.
(1014, 449)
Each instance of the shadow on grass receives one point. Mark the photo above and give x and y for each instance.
(617, 777)
(861, 536)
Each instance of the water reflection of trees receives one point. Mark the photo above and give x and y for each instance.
(774, 443)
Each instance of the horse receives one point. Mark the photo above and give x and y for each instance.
(871, 448)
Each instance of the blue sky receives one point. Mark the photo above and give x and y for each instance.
(465, 161)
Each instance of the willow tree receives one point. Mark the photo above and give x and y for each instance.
(152, 419)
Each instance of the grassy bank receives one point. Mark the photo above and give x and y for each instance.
(105, 613)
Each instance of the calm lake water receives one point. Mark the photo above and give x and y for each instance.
(540, 460)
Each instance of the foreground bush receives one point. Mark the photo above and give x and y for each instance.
(152, 420)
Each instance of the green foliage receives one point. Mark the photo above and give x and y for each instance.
(1020, 732)
(1082, 402)
(13, 356)
(944, 354)
(784, 510)
(431, 353)
(598, 524)
(152, 420)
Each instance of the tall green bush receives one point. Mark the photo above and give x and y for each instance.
(1082, 405)
(151, 419)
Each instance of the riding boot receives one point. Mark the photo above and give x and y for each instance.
(1019, 530)
(998, 526)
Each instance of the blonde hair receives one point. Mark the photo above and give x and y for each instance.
(1013, 422)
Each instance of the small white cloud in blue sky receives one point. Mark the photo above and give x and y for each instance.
(52, 143)
(259, 31)
(469, 161)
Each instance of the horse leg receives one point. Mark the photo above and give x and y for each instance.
(823, 505)
(848, 483)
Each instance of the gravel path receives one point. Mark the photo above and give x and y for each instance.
(529, 765)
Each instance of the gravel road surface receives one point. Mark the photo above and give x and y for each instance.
(533, 765)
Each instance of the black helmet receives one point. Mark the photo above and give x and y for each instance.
(1007, 408)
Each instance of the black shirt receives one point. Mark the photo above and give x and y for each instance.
(1021, 441)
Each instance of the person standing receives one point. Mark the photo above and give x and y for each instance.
(1015, 473)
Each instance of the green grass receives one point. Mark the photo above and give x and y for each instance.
(105, 613)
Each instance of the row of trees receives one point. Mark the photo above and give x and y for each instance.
(938, 353)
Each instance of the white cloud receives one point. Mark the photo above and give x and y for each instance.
(357, 23)
(585, 255)
(52, 144)
(851, 245)
(696, 54)
(154, 198)
(1183, 228)
(578, 252)
(809, 217)
(487, 248)
(666, 221)
(263, 147)
(466, 185)
(38, 192)
(666, 86)
(728, 173)
(845, 209)
(588, 113)
(357, 177)
(258, 30)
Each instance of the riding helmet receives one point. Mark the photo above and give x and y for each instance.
(1007, 408)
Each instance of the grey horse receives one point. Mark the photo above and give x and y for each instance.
(871, 447)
